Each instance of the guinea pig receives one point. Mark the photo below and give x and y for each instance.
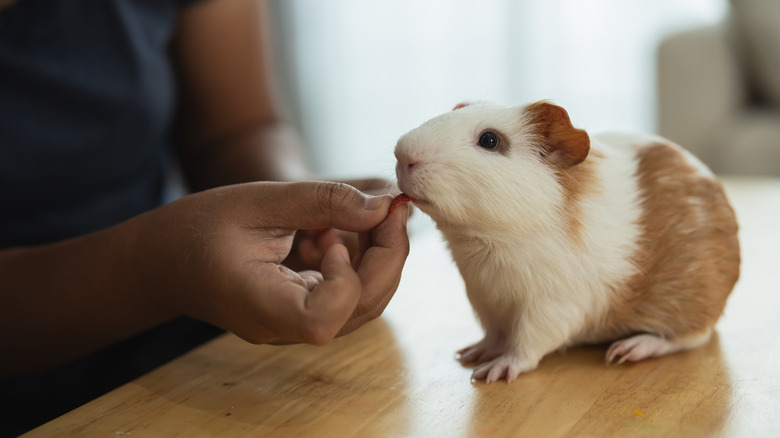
(565, 238)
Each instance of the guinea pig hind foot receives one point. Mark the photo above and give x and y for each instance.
(645, 345)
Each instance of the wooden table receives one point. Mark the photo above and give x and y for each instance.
(397, 376)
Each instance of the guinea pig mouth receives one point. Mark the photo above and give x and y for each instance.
(411, 190)
(420, 202)
(415, 199)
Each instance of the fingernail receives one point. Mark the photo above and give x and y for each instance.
(405, 216)
(373, 202)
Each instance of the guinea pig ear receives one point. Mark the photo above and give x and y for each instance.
(564, 145)
(461, 105)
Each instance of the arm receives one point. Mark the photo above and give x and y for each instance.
(214, 256)
(231, 124)
(64, 300)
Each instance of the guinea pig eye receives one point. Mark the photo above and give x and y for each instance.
(488, 140)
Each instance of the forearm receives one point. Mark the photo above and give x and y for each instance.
(260, 152)
(64, 300)
(231, 119)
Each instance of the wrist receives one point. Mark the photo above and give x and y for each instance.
(140, 264)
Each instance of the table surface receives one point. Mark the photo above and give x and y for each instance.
(397, 375)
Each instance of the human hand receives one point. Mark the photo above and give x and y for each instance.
(216, 256)
(310, 246)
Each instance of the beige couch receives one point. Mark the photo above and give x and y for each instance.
(719, 90)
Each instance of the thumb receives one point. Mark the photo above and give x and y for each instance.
(311, 205)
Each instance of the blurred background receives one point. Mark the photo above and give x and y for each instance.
(360, 73)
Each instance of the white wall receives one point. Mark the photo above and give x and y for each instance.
(363, 72)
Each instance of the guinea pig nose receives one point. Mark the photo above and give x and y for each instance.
(406, 163)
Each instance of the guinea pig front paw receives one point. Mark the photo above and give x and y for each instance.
(507, 367)
(489, 348)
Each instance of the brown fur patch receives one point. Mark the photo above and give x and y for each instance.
(567, 150)
(576, 181)
(688, 257)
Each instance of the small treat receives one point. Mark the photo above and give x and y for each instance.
(403, 198)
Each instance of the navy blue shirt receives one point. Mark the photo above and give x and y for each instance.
(87, 97)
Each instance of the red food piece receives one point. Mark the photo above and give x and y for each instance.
(403, 198)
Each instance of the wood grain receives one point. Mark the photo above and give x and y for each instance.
(397, 376)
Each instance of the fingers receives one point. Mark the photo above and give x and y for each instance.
(311, 279)
(308, 251)
(380, 266)
(331, 303)
(352, 294)
(346, 298)
(310, 245)
(284, 306)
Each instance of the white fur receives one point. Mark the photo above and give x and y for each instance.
(504, 220)
(635, 141)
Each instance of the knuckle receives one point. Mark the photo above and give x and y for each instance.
(405, 249)
(332, 196)
(255, 340)
(317, 332)
(379, 309)
(252, 336)
(370, 310)
(374, 314)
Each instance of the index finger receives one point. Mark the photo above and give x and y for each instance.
(380, 268)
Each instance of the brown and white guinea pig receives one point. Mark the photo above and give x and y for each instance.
(564, 238)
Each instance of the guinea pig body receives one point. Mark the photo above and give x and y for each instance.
(564, 238)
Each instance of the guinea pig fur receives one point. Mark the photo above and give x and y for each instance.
(564, 238)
